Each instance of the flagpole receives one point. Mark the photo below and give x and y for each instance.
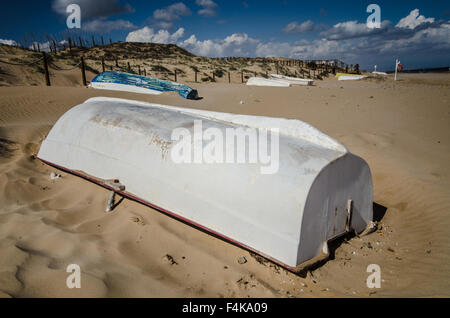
(396, 66)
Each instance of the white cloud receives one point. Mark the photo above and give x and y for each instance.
(413, 20)
(240, 44)
(317, 49)
(428, 45)
(352, 29)
(349, 41)
(202, 48)
(209, 7)
(237, 44)
(102, 25)
(425, 41)
(45, 46)
(147, 34)
(294, 27)
(178, 34)
(165, 17)
(8, 42)
(273, 49)
(91, 8)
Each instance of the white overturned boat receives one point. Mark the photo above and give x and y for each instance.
(292, 80)
(351, 77)
(318, 192)
(125, 82)
(259, 81)
(380, 73)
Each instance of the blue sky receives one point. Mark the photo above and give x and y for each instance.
(297, 29)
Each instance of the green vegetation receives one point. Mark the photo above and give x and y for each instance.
(194, 68)
(161, 69)
(219, 72)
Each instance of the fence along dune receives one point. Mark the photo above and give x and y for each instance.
(161, 61)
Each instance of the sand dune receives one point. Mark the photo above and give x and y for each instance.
(401, 129)
(157, 60)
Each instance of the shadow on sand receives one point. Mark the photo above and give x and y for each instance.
(378, 213)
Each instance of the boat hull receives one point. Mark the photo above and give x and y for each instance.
(119, 81)
(256, 81)
(292, 80)
(287, 216)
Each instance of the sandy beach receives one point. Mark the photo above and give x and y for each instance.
(402, 129)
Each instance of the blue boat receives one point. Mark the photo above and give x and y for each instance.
(140, 84)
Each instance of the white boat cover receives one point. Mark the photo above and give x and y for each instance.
(259, 81)
(351, 77)
(380, 73)
(292, 80)
(124, 88)
(119, 81)
(288, 216)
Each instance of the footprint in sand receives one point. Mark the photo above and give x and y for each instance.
(137, 220)
(168, 258)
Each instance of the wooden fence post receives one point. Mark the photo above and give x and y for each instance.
(229, 78)
(195, 76)
(214, 76)
(83, 71)
(242, 76)
(139, 69)
(117, 62)
(145, 72)
(103, 63)
(175, 72)
(129, 67)
(47, 74)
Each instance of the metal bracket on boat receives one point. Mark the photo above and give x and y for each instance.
(116, 186)
(323, 256)
(111, 200)
(349, 215)
(371, 227)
